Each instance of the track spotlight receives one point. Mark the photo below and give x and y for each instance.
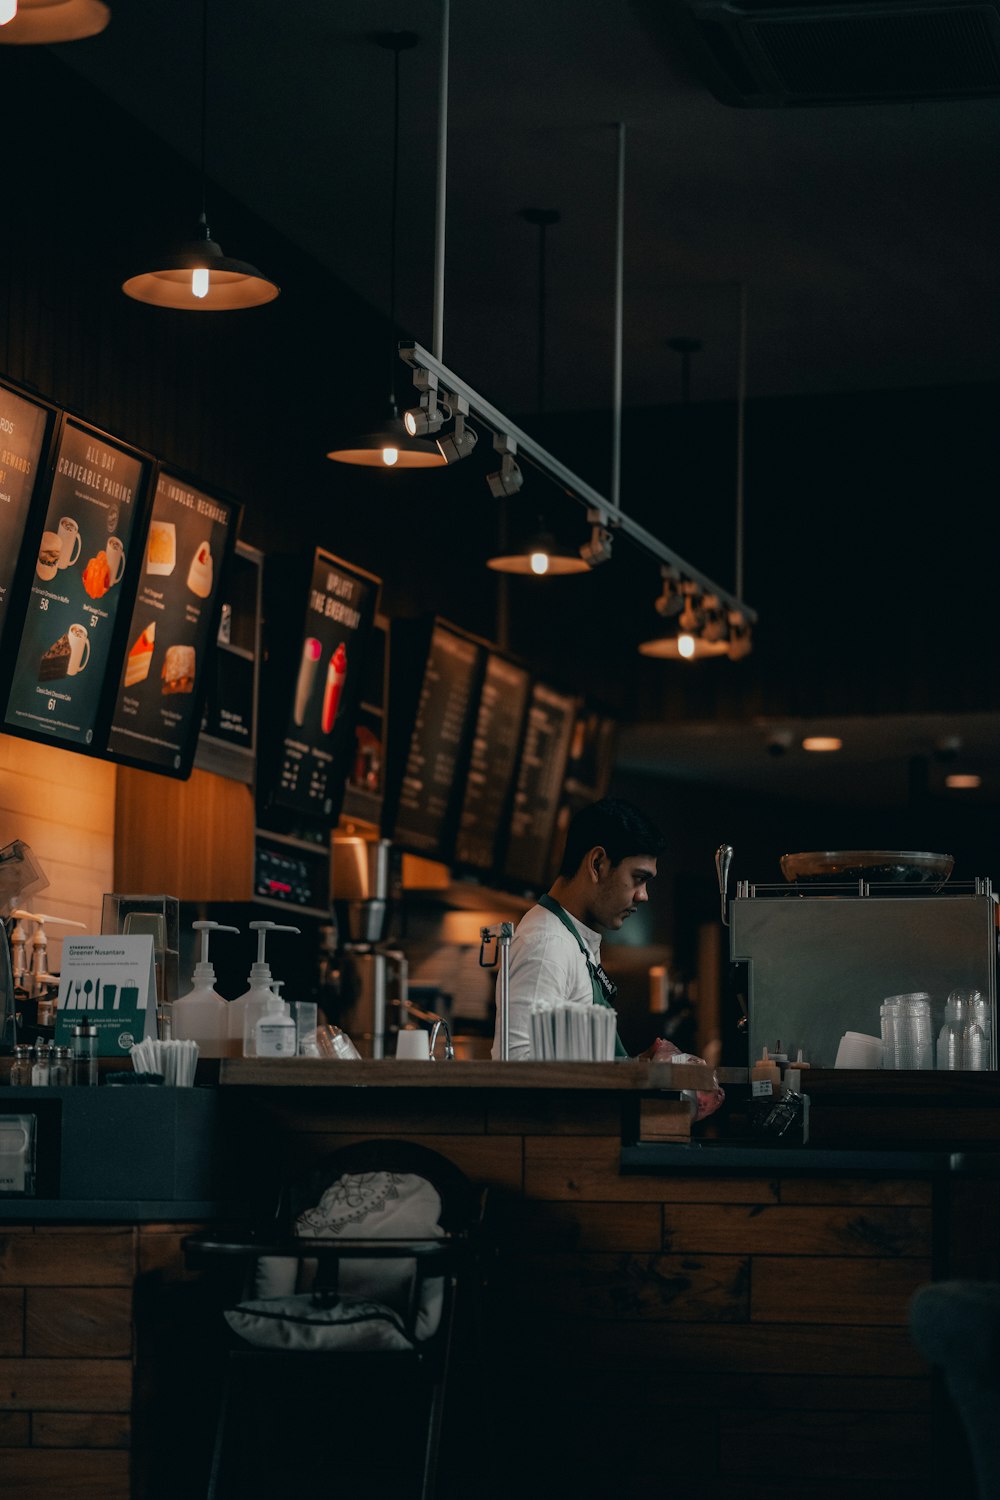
(598, 549)
(427, 417)
(671, 600)
(508, 479)
(713, 620)
(459, 443)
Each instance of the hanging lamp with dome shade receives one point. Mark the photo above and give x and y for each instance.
(39, 23)
(389, 444)
(198, 277)
(542, 555)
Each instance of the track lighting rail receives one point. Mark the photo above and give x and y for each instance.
(425, 365)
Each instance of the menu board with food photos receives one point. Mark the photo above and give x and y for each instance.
(157, 711)
(439, 737)
(83, 569)
(539, 785)
(492, 761)
(318, 693)
(23, 433)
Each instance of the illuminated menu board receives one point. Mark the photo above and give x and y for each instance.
(538, 789)
(23, 431)
(157, 712)
(588, 774)
(438, 740)
(320, 692)
(83, 567)
(495, 740)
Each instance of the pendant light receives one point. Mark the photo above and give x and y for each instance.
(700, 627)
(44, 22)
(542, 556)
(390, 445)
(199, 278)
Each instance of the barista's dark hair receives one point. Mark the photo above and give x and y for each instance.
(619, 827)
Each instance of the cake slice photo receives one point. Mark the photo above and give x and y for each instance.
(55, 661)
(140, 656)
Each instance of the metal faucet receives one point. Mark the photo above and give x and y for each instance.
(449, 1050)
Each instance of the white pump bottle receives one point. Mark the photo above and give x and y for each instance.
(247, 1009)
(202, 1015)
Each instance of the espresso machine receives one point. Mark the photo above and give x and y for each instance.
(848, 930)
(373, 977)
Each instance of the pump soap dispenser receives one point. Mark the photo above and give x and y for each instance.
(247, 1009)
(202, 1015)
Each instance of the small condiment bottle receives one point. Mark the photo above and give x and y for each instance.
(765, 1070)
(40, 1065)
(793, 1073)
(61, 1068)
(83, 1042)
(20, 1068)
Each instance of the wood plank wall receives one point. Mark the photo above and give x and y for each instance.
(67, 1354)
(671, 1329)
(63, 805)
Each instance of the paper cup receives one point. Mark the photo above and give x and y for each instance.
(858, 1050)
(413, 1045)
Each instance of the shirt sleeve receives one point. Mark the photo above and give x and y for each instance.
(542, 967)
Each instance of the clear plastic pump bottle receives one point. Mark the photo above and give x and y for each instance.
(202, 1015)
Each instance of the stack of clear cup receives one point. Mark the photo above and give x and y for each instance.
(906, 1032)
(964, 1040)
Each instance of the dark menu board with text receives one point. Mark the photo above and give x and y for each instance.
(539, 785)
(157, 712)
(440, 733)
(324, 686)
(84, 555)
(495, 740)
(22, 443)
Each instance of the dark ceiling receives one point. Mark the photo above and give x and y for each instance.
(865, 234)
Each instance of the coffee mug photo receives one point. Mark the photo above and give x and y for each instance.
(79, 649)
(70, 542)
(115, 553)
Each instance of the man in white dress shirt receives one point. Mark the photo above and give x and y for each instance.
(555, 954)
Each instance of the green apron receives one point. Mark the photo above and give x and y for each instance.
(600, 995)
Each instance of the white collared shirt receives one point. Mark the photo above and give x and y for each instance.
(546, 966)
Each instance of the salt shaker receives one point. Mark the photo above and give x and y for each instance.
(40, 1066)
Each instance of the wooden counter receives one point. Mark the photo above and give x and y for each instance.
(611, 1077)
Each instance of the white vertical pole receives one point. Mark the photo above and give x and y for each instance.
(616, 401)
(437, 345)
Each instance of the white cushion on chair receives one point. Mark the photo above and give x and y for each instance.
(364, 1205)
(302, 1324)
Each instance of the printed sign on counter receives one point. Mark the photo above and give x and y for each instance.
(109, 981)
(157, 711)
(69, 623)
(22, 441)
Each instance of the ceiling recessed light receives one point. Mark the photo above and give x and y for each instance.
(962, 782)
(822, 742)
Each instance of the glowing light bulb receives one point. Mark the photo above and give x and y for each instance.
(685, 646)
(199, 281)
(539, 562)
(389, 456)
(8, 10)
(822, 743)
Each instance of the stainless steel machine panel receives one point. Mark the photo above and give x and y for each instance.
(821, 965)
